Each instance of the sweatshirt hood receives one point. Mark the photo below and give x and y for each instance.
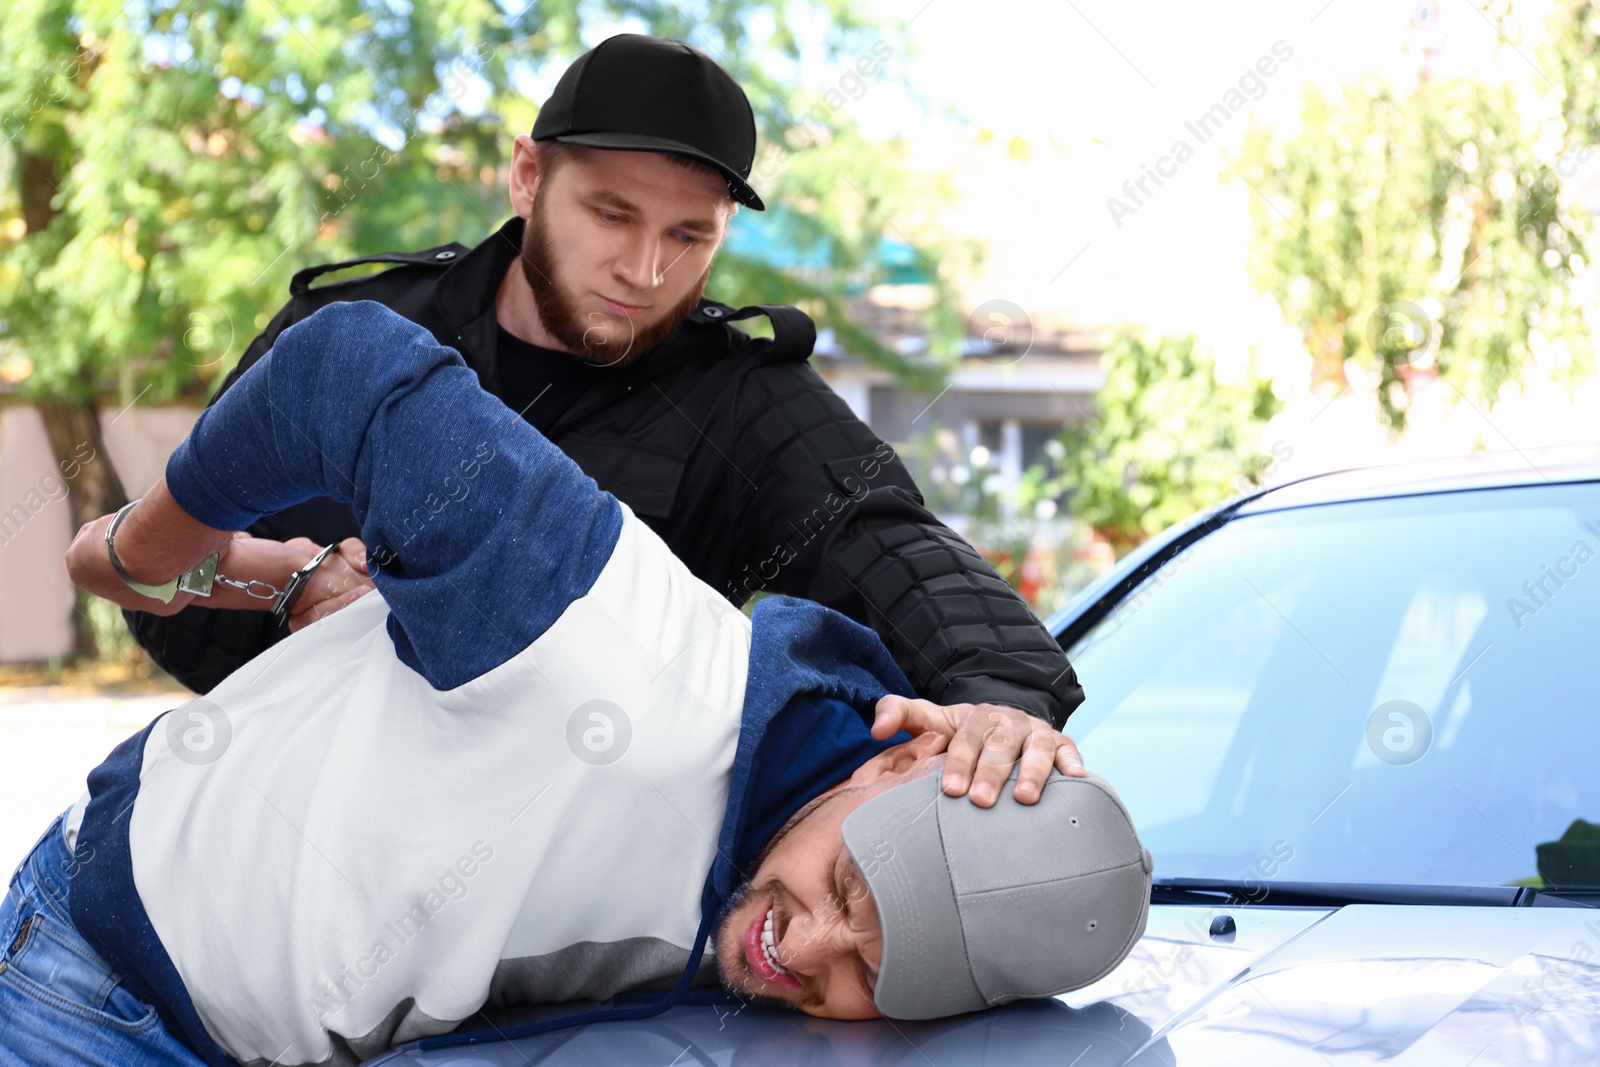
(814, 679)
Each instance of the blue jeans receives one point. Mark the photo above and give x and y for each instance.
(60, 1004)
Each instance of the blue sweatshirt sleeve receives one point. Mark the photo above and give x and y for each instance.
(479, 531)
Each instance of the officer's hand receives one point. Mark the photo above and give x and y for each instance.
(985, 741)
(340, 580)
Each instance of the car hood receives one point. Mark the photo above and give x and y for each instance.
(1363, 984)
(1359, 984)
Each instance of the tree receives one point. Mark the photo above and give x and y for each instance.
(1416, 233)
(172, 165)
(1166, 440)
(1570, 52)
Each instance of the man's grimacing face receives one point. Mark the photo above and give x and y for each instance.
(618, 246)
(824, 926)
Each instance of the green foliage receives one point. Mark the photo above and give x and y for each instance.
(1416, 234)
(1168, 439)
(1571, 54)
(172, 165)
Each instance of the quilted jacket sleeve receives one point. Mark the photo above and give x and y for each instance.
(836, 518)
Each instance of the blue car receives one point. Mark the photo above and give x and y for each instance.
(1357, 721)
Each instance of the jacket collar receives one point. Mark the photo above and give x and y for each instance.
(465, 297)
(467, 289)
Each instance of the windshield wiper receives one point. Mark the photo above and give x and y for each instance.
(1237, 892)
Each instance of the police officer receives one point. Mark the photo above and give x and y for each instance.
(584, 313)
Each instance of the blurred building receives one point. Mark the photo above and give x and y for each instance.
(1022, 376)
(1014, 390)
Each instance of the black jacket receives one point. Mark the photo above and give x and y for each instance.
(736, 453)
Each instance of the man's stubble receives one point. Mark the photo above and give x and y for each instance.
(560, 317)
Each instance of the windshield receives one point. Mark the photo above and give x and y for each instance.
(1402, 690)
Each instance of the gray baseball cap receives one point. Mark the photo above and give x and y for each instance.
(981, 906)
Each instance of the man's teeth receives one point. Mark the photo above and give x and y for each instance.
(769, 947)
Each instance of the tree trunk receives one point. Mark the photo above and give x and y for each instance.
(93, 488)
(41, 181)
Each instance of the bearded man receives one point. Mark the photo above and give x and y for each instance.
(584, 314)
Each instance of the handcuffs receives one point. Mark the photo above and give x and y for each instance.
(201, 578)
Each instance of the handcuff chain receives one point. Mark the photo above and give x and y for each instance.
(200, 578)
(247, 587)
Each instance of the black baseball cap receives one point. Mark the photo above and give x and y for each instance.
(637, 93)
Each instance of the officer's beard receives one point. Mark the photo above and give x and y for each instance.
(560, 317)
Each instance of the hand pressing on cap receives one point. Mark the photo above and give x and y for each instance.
(986, 740)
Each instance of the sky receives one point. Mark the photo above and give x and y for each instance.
(1042, 110)
(1101, 90)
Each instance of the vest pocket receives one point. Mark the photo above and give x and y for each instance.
(644, 477)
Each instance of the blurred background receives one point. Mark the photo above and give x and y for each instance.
(1088, 266)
